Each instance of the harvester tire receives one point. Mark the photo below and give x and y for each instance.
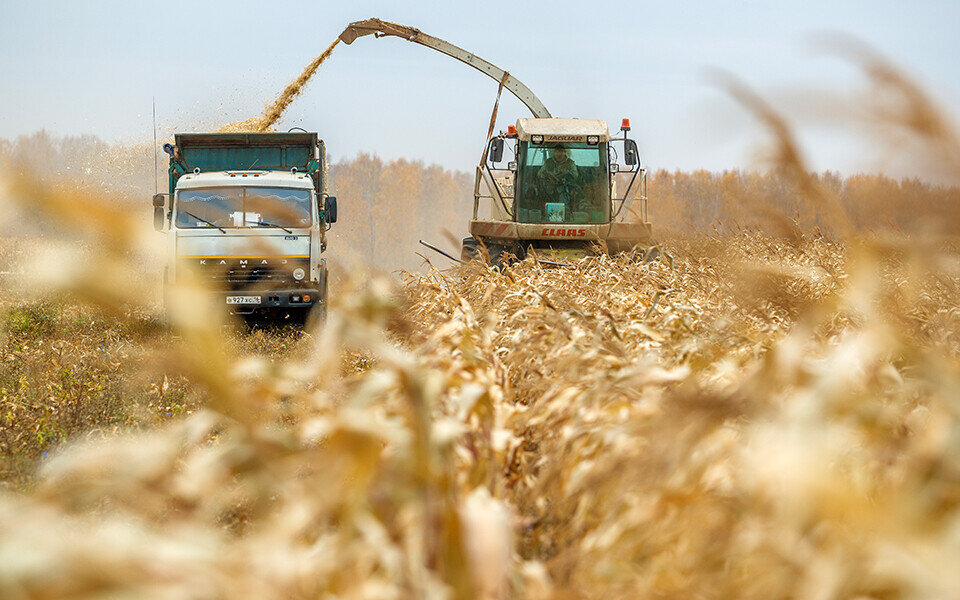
(499, 255)
(470, 250)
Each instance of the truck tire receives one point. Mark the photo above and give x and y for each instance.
(318, 314)
(165, 317)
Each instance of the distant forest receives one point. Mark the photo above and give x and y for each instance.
(700, 200)
(386, 206)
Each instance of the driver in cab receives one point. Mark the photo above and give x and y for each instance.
(558, 176)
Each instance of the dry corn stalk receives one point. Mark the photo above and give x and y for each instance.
(769, 417)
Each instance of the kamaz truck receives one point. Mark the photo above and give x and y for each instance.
(246, 217)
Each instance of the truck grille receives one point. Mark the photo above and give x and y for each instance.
(259, 277)
(238, 274)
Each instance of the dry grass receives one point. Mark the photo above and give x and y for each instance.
(69, 371)
(767, 417)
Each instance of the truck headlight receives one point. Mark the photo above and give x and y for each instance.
(298, 273)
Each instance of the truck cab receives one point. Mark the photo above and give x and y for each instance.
(246, 218)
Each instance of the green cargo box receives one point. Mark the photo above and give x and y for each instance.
(246, 152)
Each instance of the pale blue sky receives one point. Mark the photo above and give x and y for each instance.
(72, 67)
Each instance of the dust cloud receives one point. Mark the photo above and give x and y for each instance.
(273, 112)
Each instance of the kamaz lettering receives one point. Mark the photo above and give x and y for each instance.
(563, 232)
(244, 261)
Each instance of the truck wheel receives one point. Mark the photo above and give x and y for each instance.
(165, 317)
(318, 314)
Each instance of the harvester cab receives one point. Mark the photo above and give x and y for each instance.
(565, 190)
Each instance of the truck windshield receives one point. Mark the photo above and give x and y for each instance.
(563, 183)
(231, 207)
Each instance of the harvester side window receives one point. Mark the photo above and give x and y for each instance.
(563, 183)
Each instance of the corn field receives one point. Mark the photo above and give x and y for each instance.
(772, 412)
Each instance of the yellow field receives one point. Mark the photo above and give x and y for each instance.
(761, 419)
(757, 415)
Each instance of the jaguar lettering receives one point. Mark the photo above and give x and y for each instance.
(564, 138)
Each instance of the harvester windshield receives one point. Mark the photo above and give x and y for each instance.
(228, 207)
(563, 183)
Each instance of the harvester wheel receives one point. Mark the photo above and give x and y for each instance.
(470, 250)
(499, 255)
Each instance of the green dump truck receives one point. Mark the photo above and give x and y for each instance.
(247, 216)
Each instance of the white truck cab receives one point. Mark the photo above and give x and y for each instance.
(254, 237)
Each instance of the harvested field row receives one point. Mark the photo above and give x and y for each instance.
(611, 429)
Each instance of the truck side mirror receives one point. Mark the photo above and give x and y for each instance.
(631, 155)
(496, 150)
(330, 209)
(158, 213)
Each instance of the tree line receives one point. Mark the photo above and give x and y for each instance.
(682, 201)
(386, 206)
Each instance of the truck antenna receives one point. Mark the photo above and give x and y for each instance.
(156, 184)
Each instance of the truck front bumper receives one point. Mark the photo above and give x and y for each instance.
(286, 299)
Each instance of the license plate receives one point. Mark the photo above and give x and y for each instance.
(243, 299)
